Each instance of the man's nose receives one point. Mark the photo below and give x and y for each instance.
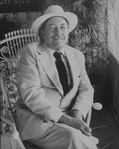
(58, 30)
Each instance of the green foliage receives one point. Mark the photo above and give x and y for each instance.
(90, 36)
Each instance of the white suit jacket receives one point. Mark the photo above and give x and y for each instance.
(41, 91)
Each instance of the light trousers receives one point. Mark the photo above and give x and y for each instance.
(61, 136)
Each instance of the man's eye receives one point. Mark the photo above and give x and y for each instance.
(63, 27)
(51, 28)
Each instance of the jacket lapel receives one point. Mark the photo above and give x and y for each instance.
(47, 60)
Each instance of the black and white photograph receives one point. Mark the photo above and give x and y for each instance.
(59, 74)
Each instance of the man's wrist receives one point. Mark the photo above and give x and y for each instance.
(79, 113)
(64, 119)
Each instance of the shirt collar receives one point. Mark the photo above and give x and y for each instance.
(62, 51)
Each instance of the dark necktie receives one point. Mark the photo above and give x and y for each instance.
(62, 72)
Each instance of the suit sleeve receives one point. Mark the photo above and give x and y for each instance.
(32, 93)
(84, 99)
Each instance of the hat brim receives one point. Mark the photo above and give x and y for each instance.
(70, 17)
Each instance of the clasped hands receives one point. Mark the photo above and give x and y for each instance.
(74, 119)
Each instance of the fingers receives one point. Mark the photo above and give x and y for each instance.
(85, 129)
(76, 123)
(88, 129)
(81, 125)
(87, 133)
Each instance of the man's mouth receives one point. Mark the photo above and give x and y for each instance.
(58, 38)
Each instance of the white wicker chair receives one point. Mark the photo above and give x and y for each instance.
(9, 57)
(10, 50)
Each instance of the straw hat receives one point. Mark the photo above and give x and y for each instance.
(53, 11)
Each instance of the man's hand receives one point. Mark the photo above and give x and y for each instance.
(75, 114)
(76, 123)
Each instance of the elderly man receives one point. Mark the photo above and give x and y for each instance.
(56, 93)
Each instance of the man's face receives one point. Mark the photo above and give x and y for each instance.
(55, 33)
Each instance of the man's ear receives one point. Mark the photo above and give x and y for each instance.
(42, 34)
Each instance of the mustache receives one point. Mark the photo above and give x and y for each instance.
(58, 37)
